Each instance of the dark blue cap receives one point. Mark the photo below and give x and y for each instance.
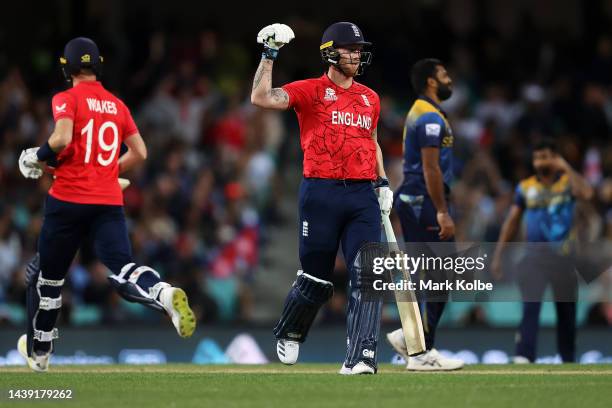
(342, 33)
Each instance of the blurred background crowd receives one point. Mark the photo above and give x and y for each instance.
(217, 194)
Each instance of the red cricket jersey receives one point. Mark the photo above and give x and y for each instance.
(336, 127)
(87, 169)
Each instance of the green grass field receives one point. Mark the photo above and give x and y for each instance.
(316, 385)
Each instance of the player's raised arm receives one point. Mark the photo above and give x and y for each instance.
(273, 37)
(581, 188)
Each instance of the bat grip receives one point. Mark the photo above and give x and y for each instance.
(388, 229)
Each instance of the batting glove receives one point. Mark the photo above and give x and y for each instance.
(385, 196)
(124, 183)
(273, 37)
(28, 163)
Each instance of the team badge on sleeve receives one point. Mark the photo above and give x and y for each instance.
(432, 129)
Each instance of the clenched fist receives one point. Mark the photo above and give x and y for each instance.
(273, 37)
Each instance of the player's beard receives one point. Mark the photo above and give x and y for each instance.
(444, 91)
(348, 66)
(348, 69)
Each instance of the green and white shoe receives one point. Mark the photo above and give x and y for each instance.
(39, 364)
(174, 301)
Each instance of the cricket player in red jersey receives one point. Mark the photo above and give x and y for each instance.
(338, 205)
(86, 200)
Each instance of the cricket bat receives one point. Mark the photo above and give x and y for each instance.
(407, 305)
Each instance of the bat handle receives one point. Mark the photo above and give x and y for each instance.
(388, 229)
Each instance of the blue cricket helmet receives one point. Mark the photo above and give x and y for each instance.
(343, 34)
(80, 53)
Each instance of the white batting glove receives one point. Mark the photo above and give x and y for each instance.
(273, 37)
(28, 164)
(385, 196)
(123, 183)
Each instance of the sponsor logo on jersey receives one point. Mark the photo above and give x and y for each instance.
(351, 119)
(330, 95)
(98, 106)
(60, 108)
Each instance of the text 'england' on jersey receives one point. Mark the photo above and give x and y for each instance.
(426, 126)
(88, 169)
(336, 127)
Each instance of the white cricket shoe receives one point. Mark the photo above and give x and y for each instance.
(174, 301)
(520, 360)
(398, 343)
(287, 351)
(37, 363)
(433, 361)
(359, 368)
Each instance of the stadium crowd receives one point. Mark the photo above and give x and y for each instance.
(199, 209)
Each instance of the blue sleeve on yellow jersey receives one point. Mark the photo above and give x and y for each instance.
(519, 198)
(430, 129)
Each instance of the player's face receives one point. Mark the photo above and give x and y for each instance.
(350, 57)
(544, 162)
(445, 83)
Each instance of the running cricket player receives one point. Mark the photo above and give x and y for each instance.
(86, 200)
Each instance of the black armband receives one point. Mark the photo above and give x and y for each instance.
(45, 153)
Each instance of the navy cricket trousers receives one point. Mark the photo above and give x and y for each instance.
(537, 272)
(334, 213)
(66, 226)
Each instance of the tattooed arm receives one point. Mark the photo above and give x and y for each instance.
(262, 94)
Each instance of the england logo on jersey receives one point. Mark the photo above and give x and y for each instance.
(365, 100)
(330, 95)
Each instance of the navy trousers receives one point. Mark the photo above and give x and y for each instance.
(536, 273)
(334, 213)
(66, 226)
(346, 213)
